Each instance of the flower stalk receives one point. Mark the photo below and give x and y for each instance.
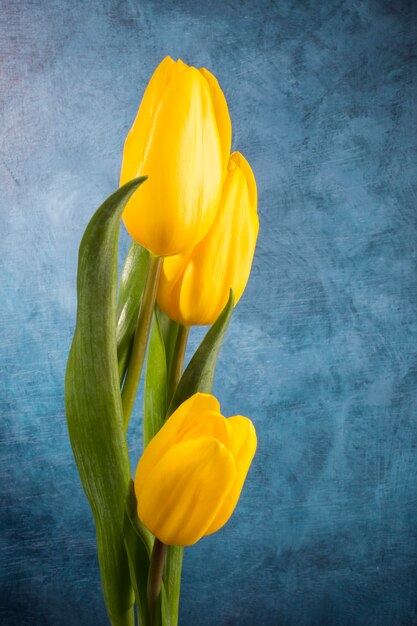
(174, 558)
(141, 338)
(156, 570)
(177, 360)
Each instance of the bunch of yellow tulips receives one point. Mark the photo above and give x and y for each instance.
(190, 207)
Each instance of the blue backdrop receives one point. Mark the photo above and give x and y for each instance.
(321, 352)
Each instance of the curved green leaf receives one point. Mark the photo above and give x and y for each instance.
(132, 282)
(93, 401)
(138, 543)
(169, 332)
(155, 394)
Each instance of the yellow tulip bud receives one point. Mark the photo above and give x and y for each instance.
(190, 476)
(181, 140)
(194, 287)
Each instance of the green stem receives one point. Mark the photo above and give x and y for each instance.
(177, 360)
(140, 341)
(175, 554)
(156, 570)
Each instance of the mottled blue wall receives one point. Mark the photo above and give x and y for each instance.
(322, 350)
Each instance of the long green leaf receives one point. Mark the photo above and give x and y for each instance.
(155, 395)
(198, 376)
(93, 401)
(138, 542)
(132, 282)
(169, 332)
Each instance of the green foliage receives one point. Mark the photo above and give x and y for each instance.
(155, 394)
(138, 543)
(169, 332)
(96, 368)
(93, 401)
(132, 282)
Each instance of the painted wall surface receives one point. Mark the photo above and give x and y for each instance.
(322, 349)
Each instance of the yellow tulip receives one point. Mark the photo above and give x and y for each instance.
(190, 476)
(181, 140)
(194, 287)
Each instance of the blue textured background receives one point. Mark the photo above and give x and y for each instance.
(322, 351)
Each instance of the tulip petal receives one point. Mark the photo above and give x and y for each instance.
(223, 259)
(183, 493)
(208, 423)
(184, 164)
(169, 287)
(221, 112)
(139, 133)
(240, 161)
(184, 416)
(243, 446)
